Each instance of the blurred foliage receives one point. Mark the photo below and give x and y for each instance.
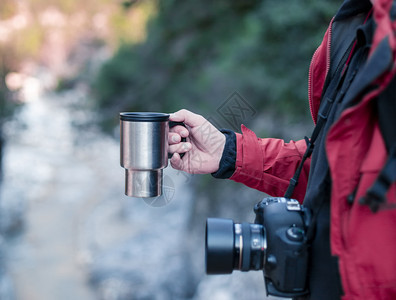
(30, 28)
(197, 53)
(35, 20)
(7, 106)
(7, 9)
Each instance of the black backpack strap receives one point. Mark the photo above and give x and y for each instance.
(376, 195)
(387, 113)
(386, 103)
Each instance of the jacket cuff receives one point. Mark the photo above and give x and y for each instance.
(228, 159)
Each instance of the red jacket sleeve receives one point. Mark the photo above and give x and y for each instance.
(268, 164)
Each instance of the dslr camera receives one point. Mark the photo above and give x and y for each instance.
(276, 243)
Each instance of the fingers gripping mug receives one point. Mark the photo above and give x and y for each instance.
(144, 152)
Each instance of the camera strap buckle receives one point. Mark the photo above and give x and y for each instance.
(310, 146)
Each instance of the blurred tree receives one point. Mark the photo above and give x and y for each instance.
(6, 105)
(199, 52)
(27, 26)
(7, 9)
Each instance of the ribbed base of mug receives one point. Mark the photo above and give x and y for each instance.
(142, 183)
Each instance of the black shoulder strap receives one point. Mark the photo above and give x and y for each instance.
(386, 103)
(322, 118)
(323, 114)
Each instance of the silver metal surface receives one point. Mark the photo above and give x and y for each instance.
(143, 153)
(293, 205)
(143, 184)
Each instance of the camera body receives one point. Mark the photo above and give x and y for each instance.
(276, 243)
(286, 256)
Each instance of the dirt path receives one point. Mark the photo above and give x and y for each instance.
(56, 182)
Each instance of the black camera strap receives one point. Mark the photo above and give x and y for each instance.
(323, 114)
(335, 92)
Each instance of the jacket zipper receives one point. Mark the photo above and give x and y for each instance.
(327, 69)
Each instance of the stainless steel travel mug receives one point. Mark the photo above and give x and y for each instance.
(144, 152)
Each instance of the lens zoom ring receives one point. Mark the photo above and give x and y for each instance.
(246, 247)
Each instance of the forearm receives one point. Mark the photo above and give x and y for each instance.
(264, 164)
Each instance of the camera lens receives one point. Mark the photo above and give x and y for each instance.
(219, 246)
(233, 246)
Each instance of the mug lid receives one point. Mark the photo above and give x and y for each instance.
(144, 116)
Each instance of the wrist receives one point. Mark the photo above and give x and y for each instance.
(228, 158)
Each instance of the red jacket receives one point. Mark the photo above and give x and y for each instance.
(364, 242)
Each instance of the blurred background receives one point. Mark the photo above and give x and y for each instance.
(67, 68)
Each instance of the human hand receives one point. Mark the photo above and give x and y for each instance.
(203, 147)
